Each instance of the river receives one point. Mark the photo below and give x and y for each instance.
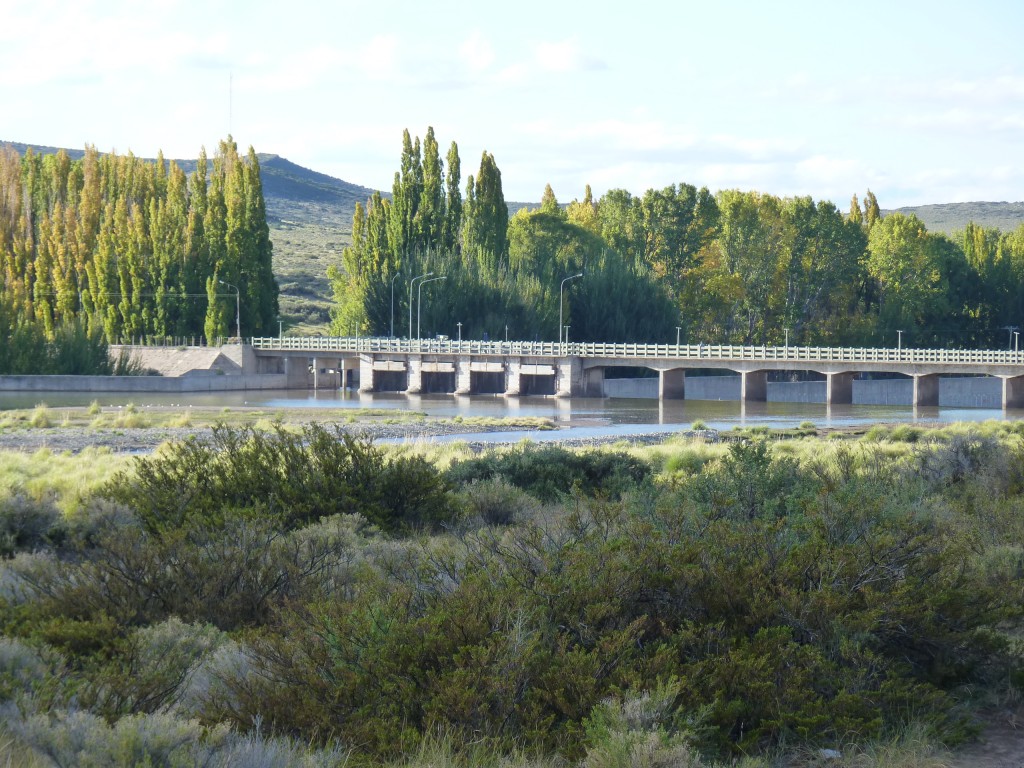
(583, 417)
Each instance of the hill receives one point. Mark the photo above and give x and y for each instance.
(950, 217)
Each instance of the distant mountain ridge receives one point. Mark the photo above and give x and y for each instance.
(950, 217)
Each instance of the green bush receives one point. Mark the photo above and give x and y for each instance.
(27, 524)
(551, 472)
(296, 478)
(497, 502)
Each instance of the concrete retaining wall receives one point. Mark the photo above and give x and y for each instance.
(208, 383)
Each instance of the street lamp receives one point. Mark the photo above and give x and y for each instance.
(460, 332)
(787, 339)
(411, 284)
(567, 334)
(238, 308)
(1011, 329)
(419, 301)
(899, 341)
(678, 329)
(1015, 339)
(393, 303)
(561, 288)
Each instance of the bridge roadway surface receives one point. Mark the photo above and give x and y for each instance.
(577, 369)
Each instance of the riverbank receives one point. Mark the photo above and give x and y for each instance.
(129, 429)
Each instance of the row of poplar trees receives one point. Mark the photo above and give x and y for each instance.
(680, 262)
(135, 249)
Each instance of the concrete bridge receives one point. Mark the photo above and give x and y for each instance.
(578, 369)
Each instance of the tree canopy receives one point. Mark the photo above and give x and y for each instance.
(136, 249)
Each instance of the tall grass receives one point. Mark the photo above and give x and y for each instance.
(66, 478)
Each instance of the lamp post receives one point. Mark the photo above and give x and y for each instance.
(419, 301)
(567, 334)
(460, 332)
(506, 333)
(1015, 339)
(899, 341)
(238, 308)
(411, 284)
(1011, 329)
(787, 339)
(393, 303)
(280, 329)
(561, 289)
(678, 329)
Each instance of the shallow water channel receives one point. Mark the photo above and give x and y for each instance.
(578, 417)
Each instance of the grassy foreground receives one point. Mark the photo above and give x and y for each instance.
(283, 597)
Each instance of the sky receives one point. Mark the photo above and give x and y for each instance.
(921, 102)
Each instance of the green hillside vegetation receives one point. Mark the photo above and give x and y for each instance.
(949, 218)
(310, 214)
(317, 597)
(135, 250)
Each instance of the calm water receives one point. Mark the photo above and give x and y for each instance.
(585, 417)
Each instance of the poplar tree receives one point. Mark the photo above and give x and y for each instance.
(486, 225)
(450, 240)
(430, 216)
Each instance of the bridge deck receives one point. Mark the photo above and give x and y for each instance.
(719, 353)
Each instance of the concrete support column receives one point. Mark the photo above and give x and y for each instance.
(672, 384)
(463, 377)
(926, 390)
(754, 386)
(569, 377)
(513, 378)
(414, 383)
(366, 381)
(1013, 392)
(593, 382)
(839, 388)
(296, 370)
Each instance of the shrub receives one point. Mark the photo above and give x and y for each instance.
(550, 472)
(24, 669)
(40, 418)
(297, 478)
(497, 502)
(27, 524)
(153, 668)
(640, 730)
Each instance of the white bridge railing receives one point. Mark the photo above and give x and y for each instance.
(710, 352)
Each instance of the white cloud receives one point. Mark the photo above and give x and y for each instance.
(476, 52)
(561, 56)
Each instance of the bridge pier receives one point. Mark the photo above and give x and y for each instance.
(414, 370)
(463, 377)
(839, 388)
(366, 377)
(569, 377)
(513, 377)
(926, 390)
(1013, 392)
(754, 386)
(672, 384)
(593, 382)
(296, 370)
